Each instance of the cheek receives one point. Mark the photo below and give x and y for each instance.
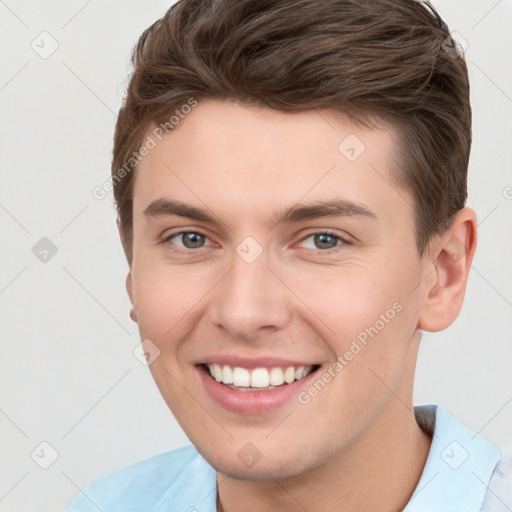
(348, 300)
(366, 314)
(166, 299)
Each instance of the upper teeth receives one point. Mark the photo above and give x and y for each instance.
(259, 377)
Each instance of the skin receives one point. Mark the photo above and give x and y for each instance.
(356, 442)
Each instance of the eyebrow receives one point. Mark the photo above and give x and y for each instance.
(296, 213)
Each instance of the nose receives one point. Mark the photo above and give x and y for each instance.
(251, 300)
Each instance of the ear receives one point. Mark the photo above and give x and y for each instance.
(450, 256)
(129, 289)
(129, 279)
(123, 241)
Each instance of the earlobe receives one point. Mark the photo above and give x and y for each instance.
(450, 256)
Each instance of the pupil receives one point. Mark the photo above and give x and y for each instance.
(325, 241)
(192, 240)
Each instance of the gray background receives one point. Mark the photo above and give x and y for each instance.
(68, 373)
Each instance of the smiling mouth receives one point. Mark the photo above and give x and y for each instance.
(257, 379)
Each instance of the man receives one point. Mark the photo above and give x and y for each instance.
(290, 179)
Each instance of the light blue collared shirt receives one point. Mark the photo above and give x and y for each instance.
(464, 473)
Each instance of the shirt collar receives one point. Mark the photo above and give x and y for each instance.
(458, 468)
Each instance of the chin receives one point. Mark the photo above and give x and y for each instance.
(263, 469)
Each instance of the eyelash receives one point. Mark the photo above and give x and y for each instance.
(327, 232)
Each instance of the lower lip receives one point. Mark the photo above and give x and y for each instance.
(252, 402)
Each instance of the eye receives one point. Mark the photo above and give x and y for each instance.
(187, 239)
(323, 241)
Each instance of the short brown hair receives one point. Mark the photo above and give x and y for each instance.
(388, 59)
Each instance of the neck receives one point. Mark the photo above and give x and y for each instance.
(379, 471)
(375, 474)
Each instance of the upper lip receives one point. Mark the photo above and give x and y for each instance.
(251, 363)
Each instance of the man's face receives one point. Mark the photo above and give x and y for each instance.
(298, 252)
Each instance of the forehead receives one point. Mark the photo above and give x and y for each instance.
(255, 158)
